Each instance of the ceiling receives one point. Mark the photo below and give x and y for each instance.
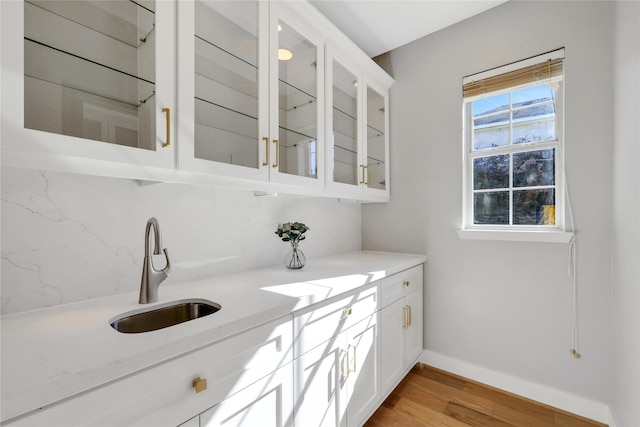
(378, 26)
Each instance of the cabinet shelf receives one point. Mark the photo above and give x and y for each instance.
(130, 22)
(296, 134)
(220, 70)
(336, 109)
(67, 70)
(221, 49)
(294, 93)
(224, 135)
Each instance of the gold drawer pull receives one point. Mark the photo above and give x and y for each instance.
(200, 384)
(347, 311)
(406, 283)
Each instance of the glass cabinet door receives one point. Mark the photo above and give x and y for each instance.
(83, 78)
(89, 70)
(226, 82)
(223, 88)
(377, 141)
(297, 79)
(345, 125)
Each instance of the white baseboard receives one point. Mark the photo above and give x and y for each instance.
(551, 396)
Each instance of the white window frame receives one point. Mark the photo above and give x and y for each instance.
(539, 233)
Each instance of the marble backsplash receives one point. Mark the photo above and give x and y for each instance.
(68, 238)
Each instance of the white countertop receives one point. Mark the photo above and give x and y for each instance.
(55, 353)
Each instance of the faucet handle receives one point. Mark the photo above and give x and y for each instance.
(167, 269)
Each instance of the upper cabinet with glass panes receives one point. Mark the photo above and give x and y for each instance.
(357, 122)
(251, 76)
(203, 91)
(86, 79)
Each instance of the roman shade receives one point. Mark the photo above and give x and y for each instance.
(479, 84)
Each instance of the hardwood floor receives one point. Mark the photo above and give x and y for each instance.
(430, 397)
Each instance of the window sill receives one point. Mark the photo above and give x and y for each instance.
(516, 235)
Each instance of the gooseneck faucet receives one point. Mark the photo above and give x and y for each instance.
(151, 278)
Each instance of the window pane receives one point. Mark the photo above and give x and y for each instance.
(491, 131)
(490, 105)
(491, 207)
(534, 207)
(534, 168)
(532, 95)
(491, 172)
(534, 131)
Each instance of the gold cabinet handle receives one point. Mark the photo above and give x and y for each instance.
(344, 367)
(266, 151)
(405, 320)
(363, 168)
(406, 283)
(275, 141)
(410, 316)
(200, 384)
(347, 311)
(351, 360)
(366, 181)
(167, 116)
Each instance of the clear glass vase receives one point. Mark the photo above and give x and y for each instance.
(294, 258)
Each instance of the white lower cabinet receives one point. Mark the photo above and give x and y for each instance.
(318, 378)
(330, 365)
(266, 403)
(401, 325)
(164, 394)
(336, 379)
(336, 383)
(363, 356)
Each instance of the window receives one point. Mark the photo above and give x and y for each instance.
(513, 146)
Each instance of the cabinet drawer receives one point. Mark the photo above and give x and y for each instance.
(319, 324)
(399, 285)
(164, 394)
(267, 402)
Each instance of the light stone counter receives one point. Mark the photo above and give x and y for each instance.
(52, 354)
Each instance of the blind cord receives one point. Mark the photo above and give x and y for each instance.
(573, 350)
(573, 277)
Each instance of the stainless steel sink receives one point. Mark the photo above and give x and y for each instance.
(163, 315)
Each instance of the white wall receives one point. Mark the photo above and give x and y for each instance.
(505, 306)
(625, 353)
(69, 238)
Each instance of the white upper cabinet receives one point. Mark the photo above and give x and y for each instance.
(260, 95)
(357, 120)
(297, 114)
(89, 80)
(250, 92)
(223, 87)
(375, 155)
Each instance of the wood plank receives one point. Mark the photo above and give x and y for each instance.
(473, 418)
(425, 416)
(439, 376)
(565, 419)
(408, 391)
(431, 397)
(451, 394)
